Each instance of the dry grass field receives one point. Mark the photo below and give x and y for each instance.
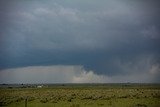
(81, 95)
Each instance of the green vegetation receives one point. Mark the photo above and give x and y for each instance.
(91, 95)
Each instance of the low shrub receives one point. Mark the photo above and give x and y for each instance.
(45, 100)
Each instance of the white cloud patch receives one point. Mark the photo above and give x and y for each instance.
(57, 12)
(155, 69)
(65, 74)
(90, 77)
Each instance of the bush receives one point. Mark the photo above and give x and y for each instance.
(45, 100)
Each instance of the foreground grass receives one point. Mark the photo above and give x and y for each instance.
(82, 96)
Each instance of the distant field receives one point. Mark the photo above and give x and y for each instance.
(80, 95)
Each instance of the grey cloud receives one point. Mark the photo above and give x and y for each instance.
(151, 32)
(49, 74)
(109, 37)
(67, 74)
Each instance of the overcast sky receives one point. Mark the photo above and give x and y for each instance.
(79, 41)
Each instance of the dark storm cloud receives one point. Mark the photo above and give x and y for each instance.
(110, 37)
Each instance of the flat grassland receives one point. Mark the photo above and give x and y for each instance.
(81, 95)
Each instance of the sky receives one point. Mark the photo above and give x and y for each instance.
(79, 41)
